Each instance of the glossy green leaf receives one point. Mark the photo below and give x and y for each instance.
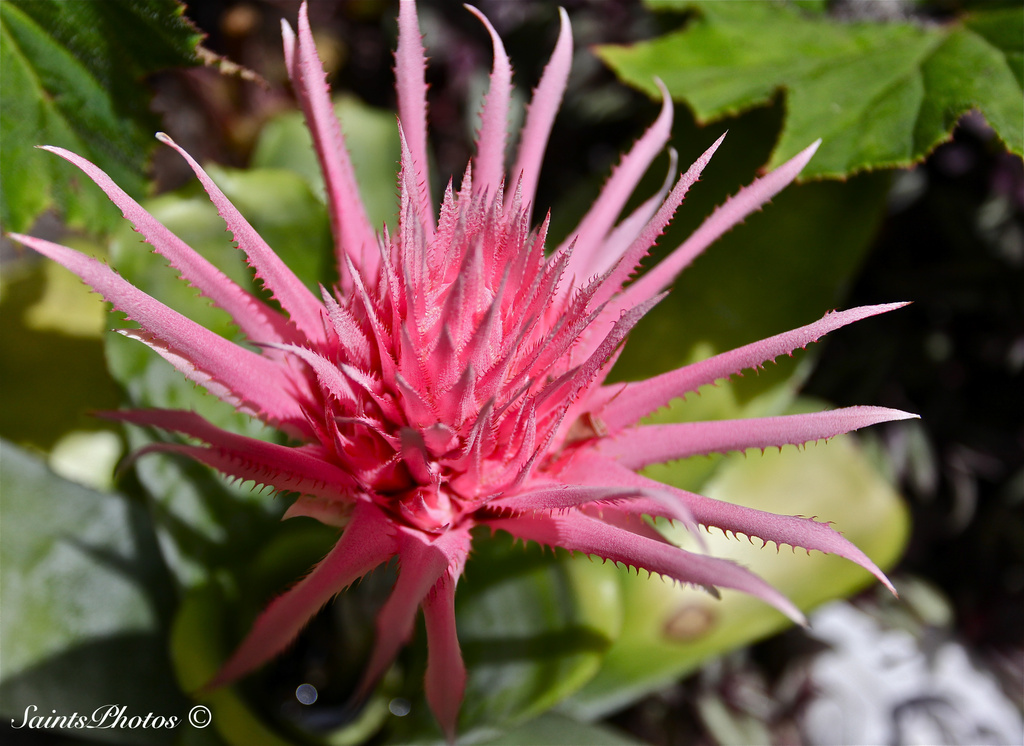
(83, 592)
(216, 616)
(533, 628)
(880, 95)
(669, 631)
(72, 75)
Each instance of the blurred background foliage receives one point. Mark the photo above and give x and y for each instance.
(134, 589)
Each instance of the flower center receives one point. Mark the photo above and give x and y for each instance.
(429, 508)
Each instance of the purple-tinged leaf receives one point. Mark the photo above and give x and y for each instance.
(445, 682)
(259, 322)
(734, 519)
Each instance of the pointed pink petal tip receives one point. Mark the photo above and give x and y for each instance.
(799, 162)
(666, 97)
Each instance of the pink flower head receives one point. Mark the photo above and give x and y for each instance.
(454, 376)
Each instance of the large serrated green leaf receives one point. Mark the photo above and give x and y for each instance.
(71, 74)
(880, 95)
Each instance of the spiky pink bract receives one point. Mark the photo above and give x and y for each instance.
(454, 377)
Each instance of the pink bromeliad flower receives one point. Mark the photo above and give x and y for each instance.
(454, 376)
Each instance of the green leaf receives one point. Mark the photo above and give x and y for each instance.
(1002, 30)
(880, 95)
(72, 75)
(669, 631)
(533, 628)
(85, 602)
(554, 729)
